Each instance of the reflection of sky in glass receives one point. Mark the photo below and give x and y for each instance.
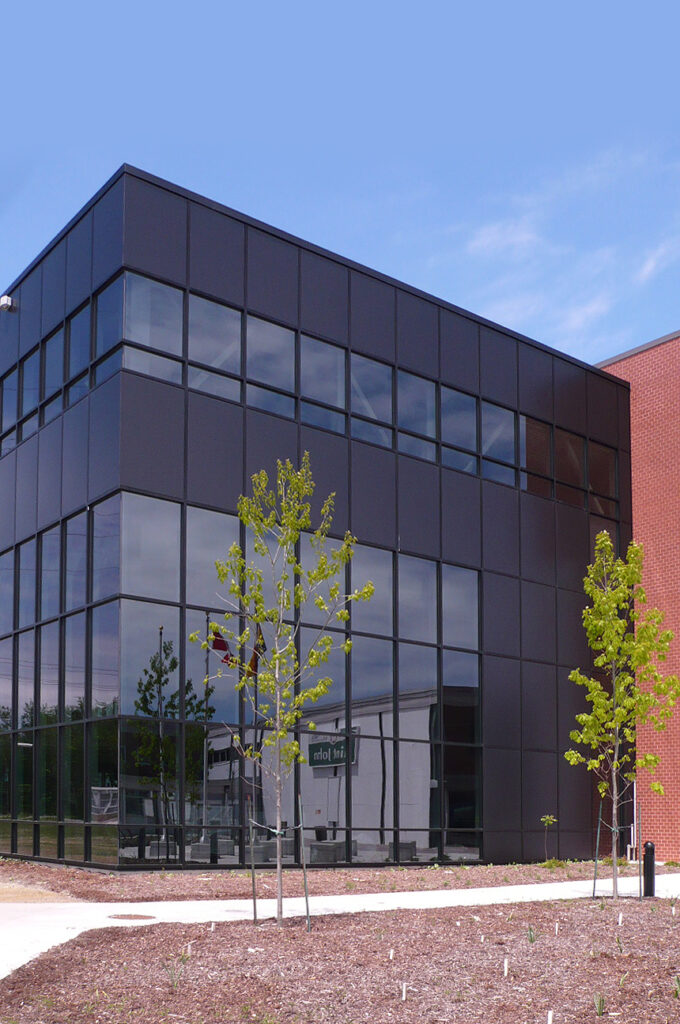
(31, 383)
(110, 316)
(214, 334)
(271, 354)
(106, 548)
(6, 592)
(498, 432)
(6, 664)
(534, 445)
(9, 400)
(334, 668)
(224, 700)
(569, 464)
(153, 314)
(417, 668)
(209, 537)
(372, 672)
(374, 616)
(459, 419)
(54, 363)
(322, 372)
(105, 659)
(79, 342)
(151, 532)
(76, 561)
(416, 404)
(74, 664)
(27, 583)
(140, 642)
(417, 599)
(460, 669)
(50, 573)
(460, 607)
(25, 696)
(371, 388)
(49, 671)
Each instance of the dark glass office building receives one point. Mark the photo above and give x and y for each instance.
(155, 355)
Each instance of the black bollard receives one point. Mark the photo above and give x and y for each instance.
(649, 869)
(213, 848)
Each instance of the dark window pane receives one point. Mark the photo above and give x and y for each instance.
(534, 446)
(459, 419)
(417, 446)
(153, 314)
(5, 793)
(602, 469)
(271, 354)
(214, 334)
(322, 372)
(103, 765)
(317, 416)
(52, 409)
(603, 506)
(72, 775)
(417, 599)
(571, 495)
(9, 400)
(569, 461)
(536, 485)
(109, 317)
(416, 404)
(6, 592)
(214, 384)
(50, 573)
(460, 697)
(371, 388)
(374, 616)
(23, 753)
(140, 655)
(459, 460)
(26, 683)
(271, 401)
(209, 537)
(53, 356)
(501, 474)
(105, 660)
(112, 364)
(223, 698)
(462, 790)
(79, 342)
(106, 548)
(78, 390)
(498, 432)
(29, 426)
(27, 553)
(74, 666)
(30, 383)
(372, 683)
(153, 366)
(49, 673)
(367, 431)
(8, 443)
(460, 596)
(76, 562)
(150, 547)
(6, 671)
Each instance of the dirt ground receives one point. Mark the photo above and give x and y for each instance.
(501, 965)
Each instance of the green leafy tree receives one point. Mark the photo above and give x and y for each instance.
(260, 633)
(628, 689)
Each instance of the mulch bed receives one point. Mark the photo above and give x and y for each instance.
(101, 886)
(407, 967)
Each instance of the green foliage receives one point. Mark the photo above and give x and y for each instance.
(547, 820)
(599, 1004)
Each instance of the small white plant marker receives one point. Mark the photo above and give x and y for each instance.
(550, 1017)
(457, 924)
(505, 967)
(482, 938)
(391, 954)
(403, 992)
(673, 910)
(557, 927)
(620, 919)
(212, 926)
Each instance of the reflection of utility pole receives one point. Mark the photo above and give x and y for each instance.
(204, 834)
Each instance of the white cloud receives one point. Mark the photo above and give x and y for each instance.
(582, 316)
(658, 259)
(503, 236)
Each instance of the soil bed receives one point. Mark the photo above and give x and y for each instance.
(353, 969)
(131, 886)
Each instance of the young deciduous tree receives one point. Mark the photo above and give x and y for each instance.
(260, 635)
(629, 690)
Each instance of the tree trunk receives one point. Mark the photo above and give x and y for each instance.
(279, 842)
(615, 822)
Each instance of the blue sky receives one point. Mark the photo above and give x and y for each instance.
(522, 161)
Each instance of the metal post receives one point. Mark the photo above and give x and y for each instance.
(252, 863)
(639, 846)
(304, 863)
(205, 735)
(649, 869)
(597, 845)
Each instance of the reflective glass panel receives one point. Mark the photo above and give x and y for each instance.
(153, 314)
(373, 797)
(74, 666)
(374, 616)
(223, 699)
(416, 404)
(23, 754)
(29, 426)
(214, 335)
(149, 664)
(30, 383)
(49, 673)
(569, 459)
(417, 446)
(78, 390)
(372, 685)
(8, 443)
(459, 460)
(322, 372)
(460, 697)
(106, 548)
(5, 791)
(308, 610)
(318, 416)
(461, 779)
(603, 506)
(536, 484)
(27, 558)
(535, 446)
(460, 599)
(103, 765)
(271, 354)
(50, 573)
(334, 669)
(46, 788)
(26, 684)
(495, 471)
(9, 400)
(149, 782)
(459, 419)
(53, 361)
(498, 432)
(419, 801)
(570, 495)
(52, 409)
(72, 773)
(270, 401)
(6, 592)
(371, 388)
(212, 798)
(76, 562)
(367, 431)
(6, 670)
(417, 599)
(209, 537)
(602, 469)
(418, 700)
(79, 342)
(214, 384)
(150, 547)
(139, 361)
(74, 842)
(105, 660)
(322, 788)
(109, 317)
(112, 364)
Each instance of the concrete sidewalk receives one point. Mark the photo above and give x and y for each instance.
(29, 929)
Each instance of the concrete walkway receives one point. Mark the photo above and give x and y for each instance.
(29, 929)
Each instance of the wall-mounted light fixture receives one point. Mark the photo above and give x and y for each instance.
(7, 304)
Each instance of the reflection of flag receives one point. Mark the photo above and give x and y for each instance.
(220, 646)
(259, 648)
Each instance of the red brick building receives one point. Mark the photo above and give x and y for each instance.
(653, 371)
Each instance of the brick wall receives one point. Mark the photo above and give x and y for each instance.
(654, 376)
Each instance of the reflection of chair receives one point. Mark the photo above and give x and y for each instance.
(407, 851)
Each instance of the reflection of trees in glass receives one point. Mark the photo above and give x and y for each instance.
(5, 717)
